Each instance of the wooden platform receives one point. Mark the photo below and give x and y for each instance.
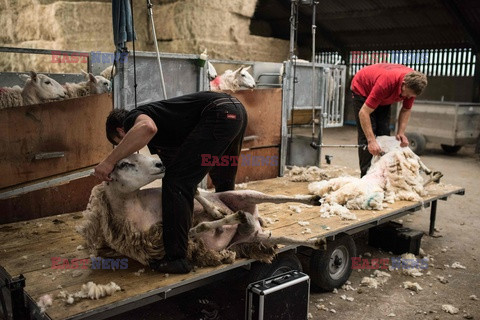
(27, 248)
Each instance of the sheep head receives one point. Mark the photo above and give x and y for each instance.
(97, 84)
(40, 88)
(135, 171)
(244, 78)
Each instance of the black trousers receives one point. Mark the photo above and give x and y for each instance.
(380, 119)
(220, 132)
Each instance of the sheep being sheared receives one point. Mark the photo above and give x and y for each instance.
(128, 220)
(392, 177)
(39, 89)
(231, 80)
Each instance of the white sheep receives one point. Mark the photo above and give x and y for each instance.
(11, 97)
(40, 89)
(127, 219)
(92, 85)
(392, 177)
(231, 80)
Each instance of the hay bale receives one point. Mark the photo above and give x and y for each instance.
(190, 21)
(255, 49)
(242, 7)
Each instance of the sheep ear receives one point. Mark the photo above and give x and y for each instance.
(92, 78)
(246, 68)
(85, 75)
(238, 70)
(212, 73)
(33, 76)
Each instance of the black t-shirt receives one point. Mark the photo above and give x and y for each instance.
(175, 118)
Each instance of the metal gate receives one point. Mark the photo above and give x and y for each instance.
(180, 71)
(327, 91)
(320, 88)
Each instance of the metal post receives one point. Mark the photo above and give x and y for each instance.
(320, 122)
(290, 81)
(314, 82)
(433, 216)
(476, 78)
(14, 286)
(292, 28)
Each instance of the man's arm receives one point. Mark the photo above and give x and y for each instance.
(403, 117)
(366, 124)
(136, 138)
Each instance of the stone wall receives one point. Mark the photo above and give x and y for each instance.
(182, 26)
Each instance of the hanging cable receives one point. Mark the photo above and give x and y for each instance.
(134, 64)
(293, 58)
(150, 13)
(314, 81)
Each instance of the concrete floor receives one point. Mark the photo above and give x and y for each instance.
(458, 222)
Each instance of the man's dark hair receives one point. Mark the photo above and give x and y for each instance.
(115, 120)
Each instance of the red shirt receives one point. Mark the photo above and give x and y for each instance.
(381, 84)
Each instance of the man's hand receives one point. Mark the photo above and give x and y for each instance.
(403, 140)
(103, 170)
(374, 148)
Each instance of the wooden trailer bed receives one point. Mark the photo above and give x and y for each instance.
(26, 248)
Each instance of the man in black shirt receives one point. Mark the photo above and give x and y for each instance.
(180, 130)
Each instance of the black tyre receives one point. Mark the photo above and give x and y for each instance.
(450, 149)
(282, 263)
(331, 268)
(416, 142)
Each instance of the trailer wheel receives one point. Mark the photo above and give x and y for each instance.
(416, 142)
(450, 149)
(281, 264)
(331, 268)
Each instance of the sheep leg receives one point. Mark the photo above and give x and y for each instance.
(277, 199)
(424, 168)
(435, 177)
(236, 218)
(315, 243)
(252, 197)
(210, 208)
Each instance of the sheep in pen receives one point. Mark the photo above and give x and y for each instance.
(123, 219)
(394, 176)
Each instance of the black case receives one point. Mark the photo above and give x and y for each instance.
(282, 297)
(394, 237)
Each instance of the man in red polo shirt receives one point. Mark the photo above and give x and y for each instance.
(374, 89)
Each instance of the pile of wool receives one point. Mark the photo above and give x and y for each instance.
(410, 266)
(44, 302)
(90, 290)
(412, 286)
(378, 278)
(448, 308)
(392, 177)
(313, 173)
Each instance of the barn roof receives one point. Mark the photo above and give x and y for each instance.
(346, 25)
